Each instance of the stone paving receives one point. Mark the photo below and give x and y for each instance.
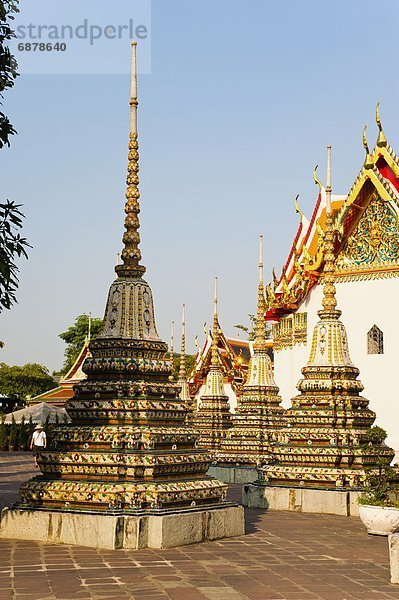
(284, 555)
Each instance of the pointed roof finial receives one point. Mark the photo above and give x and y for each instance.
(368, 163)
(182, 371)
(261, 259)
(381, 140)
(316, 179)
(297, 208)
(172, 339)
(329, 301)
(215, 361)
(261, 305)
(131, 254)
(328, 181)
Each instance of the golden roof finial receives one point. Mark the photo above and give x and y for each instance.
(316, 179)
(381, 140)
(368, 163)
(215, 360)
(329, 301)
(297, 208)
(182, 371)
(275, 280)
(131, 255)
(171, 351)
(184, 389)
(261, 306)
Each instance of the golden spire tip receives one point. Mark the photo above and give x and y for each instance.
(368, 163)
(328, 180)
(382, 140)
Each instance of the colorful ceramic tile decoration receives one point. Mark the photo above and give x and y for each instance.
(129, 446)
(259, 414)
(325, 443)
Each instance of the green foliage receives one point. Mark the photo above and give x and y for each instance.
(14, 435)
(75, 336)
(376, 435)
(12, 246)
(23, 434)
(190, 358)
(8, 64)
(382, 482)
(251, 332)
(3, 434)
(29, 380)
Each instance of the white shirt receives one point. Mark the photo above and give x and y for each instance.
(39, 437)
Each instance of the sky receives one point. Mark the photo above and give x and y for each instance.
(237, 102)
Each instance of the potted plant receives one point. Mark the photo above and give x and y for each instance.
(379, 506)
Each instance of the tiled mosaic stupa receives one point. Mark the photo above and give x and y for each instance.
(213, 418)
(259, 414)
(128, 448)
(182, 382)
(325, 444)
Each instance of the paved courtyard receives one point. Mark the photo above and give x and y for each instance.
(284, 555)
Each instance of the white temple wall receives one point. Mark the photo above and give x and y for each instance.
(363, 304)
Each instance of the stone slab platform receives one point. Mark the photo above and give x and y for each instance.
(233, 474)
(123, 531)
(393, 541)
(330, 502)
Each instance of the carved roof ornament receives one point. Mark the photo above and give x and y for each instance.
(368, 162)
(381, 140)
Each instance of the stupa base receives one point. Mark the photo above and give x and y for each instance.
(96, 530)
(233, 474)
(299, 499)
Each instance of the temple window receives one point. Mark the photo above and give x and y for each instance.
(375, 341)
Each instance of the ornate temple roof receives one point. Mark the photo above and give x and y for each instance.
(64, 391)
(234, 354)
(377, 180)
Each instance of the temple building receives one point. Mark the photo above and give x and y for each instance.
(366, 251)
(324, 453)
(127, 472)
(259, 414)
(234, 356)
(60, 394)
(213, 418)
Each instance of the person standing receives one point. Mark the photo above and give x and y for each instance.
(38, 442)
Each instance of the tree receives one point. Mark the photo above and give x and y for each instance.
(23, 434)
(29, 380)
(76, 335)
(251, 333)
(3, 434)
(8, 64)
(190, 359)
(13, 441)
(12, 245)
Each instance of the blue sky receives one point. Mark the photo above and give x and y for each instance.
(239, 104)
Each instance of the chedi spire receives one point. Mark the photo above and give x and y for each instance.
(325, 444)
(213, 416)
(259, 414)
